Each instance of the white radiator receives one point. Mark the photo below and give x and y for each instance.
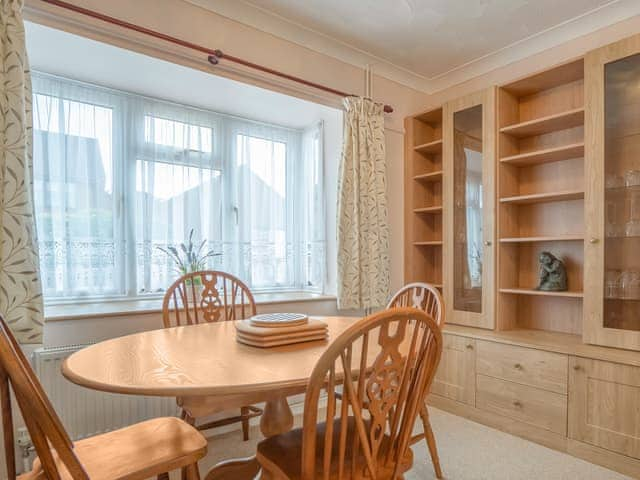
(86, 412)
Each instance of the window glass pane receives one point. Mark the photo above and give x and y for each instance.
(160, 131)
(74, 197)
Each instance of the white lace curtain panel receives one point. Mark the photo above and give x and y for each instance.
(20, 293)
(118, 175)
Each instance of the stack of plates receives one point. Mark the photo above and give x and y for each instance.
(277, 329)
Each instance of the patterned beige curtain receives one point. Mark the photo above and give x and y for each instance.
(20, 292)
(363, 231)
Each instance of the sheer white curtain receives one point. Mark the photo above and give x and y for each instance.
(278, 226)
(119, 175)
(178, 187)
(77, 188)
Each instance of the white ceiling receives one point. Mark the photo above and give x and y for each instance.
(426, 40)
(60, 53)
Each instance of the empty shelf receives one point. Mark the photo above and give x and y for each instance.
(565, 152)
(546, 238)
(430, 147)
(437, 209)
(544, 197)
(550, 123)
(434, 243)
(429, 177)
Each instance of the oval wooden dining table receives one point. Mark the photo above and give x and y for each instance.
(205, 360)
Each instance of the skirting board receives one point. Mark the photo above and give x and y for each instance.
(606, 458)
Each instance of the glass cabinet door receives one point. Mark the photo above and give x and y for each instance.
(612, 299)
(468, 244)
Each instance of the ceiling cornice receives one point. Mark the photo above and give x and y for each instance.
(242, 12)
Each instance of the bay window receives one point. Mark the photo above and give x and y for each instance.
(118, 175)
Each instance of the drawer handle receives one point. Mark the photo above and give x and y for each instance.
(469, 347)
(517, 403)
(576, 368)
(517, 366)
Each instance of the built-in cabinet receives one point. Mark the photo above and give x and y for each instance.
(456, 376)
(549, 165)
(469, 220)
(612, 276)
(604, 405)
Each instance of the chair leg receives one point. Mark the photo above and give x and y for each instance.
(244, 413)
(431, 440)
(192, 472)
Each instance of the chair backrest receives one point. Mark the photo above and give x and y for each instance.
(45, 427)
(206, 296)
(422, 296)
(400, 350)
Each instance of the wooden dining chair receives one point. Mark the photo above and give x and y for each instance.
(209, 296)
(143, 450)
(425, 297)
(369, 434)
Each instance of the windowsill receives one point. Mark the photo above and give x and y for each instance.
(78, 311)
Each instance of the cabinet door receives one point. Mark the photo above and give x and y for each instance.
(456, 375)
(603, 405)
(612, 172)
(469, 197)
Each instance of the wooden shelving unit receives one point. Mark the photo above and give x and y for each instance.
(423, 198)
(541, 192)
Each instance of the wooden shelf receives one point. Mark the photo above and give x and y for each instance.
(429, 177)
(565, 152)
(435, 243)
(544, 197)
(531, 291)
(430, 147)
(562, 74)
(548, 238)
(427, 210)
(550, 123)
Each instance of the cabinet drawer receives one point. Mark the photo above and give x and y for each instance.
(534, 406)
(536, 368)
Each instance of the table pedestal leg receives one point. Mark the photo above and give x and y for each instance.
(276, 419)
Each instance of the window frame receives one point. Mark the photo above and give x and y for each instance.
(127, 150)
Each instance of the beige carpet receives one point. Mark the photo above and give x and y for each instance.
(468, 451)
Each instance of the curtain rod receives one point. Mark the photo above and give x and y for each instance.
(214, 56)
